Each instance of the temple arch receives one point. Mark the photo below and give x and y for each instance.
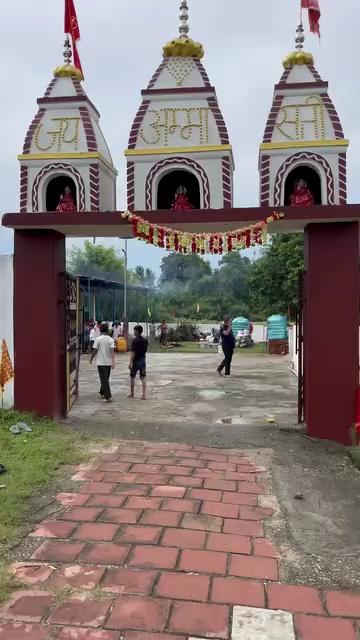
(191, 170)
(170, 181)
(63, 174)
(315, 165)
(55, 188)
(312, 179)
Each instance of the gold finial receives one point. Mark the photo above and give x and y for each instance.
(299, 56)
(67, 70)
(183, 46)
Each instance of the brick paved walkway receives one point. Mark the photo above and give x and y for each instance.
(164, 542)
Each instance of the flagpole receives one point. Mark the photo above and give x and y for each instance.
(301, 15)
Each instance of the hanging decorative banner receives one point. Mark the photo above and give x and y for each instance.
(214, 243)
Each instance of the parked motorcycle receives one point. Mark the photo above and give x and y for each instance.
(244, 339)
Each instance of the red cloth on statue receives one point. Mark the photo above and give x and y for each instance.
(302, 197)
(181, 203)
(66, 205)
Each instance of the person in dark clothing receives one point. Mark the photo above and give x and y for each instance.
(86, 338)
(163, 333)
(228, 343)
(138, 361)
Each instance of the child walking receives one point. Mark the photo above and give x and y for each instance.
(138, 361)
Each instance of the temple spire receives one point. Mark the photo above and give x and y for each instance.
(184, 18)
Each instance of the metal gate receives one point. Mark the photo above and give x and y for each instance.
(73, 340)
(300, 346)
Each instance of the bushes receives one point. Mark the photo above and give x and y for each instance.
(183, 333)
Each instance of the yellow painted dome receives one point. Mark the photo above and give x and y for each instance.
(298, 57)
(68, 71)
(183, 47)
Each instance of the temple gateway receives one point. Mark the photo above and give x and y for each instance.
(180, 174)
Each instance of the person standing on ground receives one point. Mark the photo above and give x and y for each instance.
(138, 361)
(228, 343)
(163, 333)
(116, 331)
(93, 335)
(86, 337)
(105, 360)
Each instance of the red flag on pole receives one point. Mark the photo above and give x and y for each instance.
(314, 14)
(71, 26)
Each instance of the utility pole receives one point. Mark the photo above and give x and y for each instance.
(125, 289)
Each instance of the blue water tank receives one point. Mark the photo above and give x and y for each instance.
(240, 324)
(277, 328)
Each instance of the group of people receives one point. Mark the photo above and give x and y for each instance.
(103, 349)
(92, 330)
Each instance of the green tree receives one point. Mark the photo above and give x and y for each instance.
(96, 261)
(145, 277)
(273, 280)
(233, 276)
(180, 268)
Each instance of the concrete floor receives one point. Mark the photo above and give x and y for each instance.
(184, 389)
(189, 403)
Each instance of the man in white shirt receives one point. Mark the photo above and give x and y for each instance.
(105, 359)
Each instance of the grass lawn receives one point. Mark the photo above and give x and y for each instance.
(32, 461)
(193, 347)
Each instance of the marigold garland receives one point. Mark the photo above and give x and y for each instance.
(202, 243)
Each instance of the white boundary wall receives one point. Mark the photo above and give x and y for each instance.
(259, 334)
(6, 316)
(292, 350)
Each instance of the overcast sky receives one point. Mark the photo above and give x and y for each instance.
(120, 48)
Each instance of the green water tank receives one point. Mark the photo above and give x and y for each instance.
(240, 324)
(277, 328)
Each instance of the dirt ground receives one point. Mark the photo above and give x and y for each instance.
(254, 410)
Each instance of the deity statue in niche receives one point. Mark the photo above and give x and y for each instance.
(181, 202)
(66, 202)
(301, 196)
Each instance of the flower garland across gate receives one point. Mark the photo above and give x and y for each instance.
(214, 243)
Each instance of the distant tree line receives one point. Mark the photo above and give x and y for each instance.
(189, 289)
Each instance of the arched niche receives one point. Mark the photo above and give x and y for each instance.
(171, 181)
(312, 179)
(55, 188)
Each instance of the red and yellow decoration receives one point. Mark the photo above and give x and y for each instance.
(6, 373)
(6, 368)
(203, 243)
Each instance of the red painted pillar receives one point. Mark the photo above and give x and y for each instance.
(39, 322)
(331, 328)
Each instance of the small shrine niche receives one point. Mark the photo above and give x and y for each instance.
(178, 190)
(303, 183)
(60, 188)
